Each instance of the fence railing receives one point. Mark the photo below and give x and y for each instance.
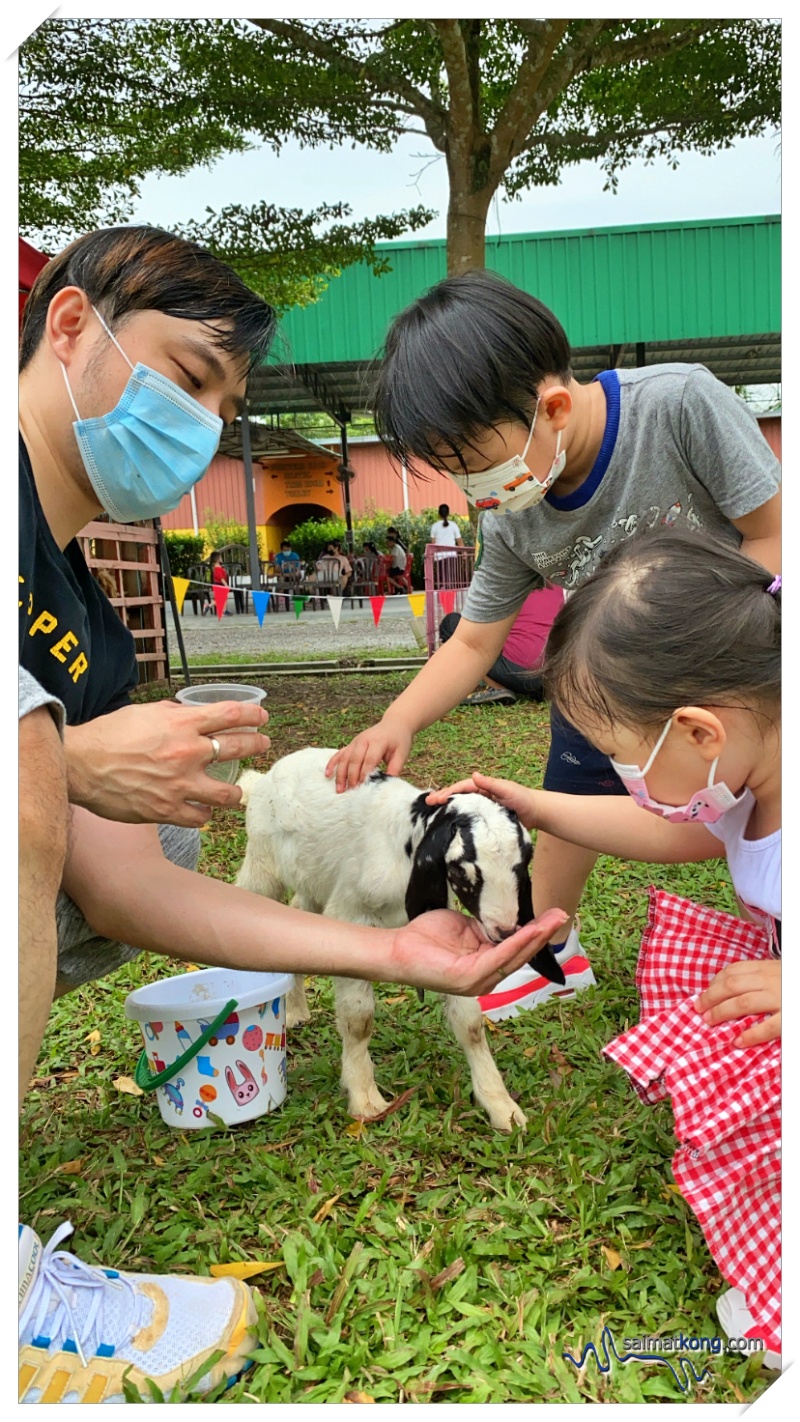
(447, 571)
(124, 559)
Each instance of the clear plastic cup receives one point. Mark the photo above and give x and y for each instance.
(226, 770)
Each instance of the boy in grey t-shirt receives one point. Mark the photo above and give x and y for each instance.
(476, 380)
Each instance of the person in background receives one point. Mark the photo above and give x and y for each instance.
(287, 558)
(516, 671)
(445, 533)
(396, 559)
(220, 579)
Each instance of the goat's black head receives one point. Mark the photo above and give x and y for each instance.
(480, 852)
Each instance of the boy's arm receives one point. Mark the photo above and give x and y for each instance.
(761, 531)
(608, 824)
(450, 675)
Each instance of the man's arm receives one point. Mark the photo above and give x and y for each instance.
(147, 763)
(129, 892)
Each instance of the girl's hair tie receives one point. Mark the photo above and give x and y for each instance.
(775, 586)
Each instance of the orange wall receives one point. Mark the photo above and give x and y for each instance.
(379, 483)
(221, 490)
(307, 479)
(771, 430)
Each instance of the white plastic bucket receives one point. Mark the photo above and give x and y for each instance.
(215, 1042)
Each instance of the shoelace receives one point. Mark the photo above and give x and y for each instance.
(62, 1275)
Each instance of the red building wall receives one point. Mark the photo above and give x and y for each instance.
(379, 483)
(221, 490)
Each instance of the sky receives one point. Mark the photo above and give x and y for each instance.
(742, 181)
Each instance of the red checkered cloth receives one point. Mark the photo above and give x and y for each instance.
(726, 1101)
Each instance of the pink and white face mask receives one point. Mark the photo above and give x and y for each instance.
(705, 807)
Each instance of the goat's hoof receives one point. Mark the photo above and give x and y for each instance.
(296, 1019)
(367, 1107)
(506, 1116)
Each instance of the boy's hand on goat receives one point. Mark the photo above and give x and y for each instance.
(504, 792)
(145, 764)
(739, 991)
(388, 741)
(447, 952)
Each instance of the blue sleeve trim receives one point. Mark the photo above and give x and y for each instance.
(609, 379)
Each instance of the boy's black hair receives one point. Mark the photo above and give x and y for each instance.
(468, 355)
(669, 619)
(128, 269)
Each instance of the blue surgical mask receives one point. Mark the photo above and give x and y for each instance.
(152, 447)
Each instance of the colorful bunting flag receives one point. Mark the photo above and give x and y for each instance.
(335, 605)
(377, 608)
(447, 598)
(220, 598)
(181, 586)
(416, 602)
(260, 600)
(299, 604)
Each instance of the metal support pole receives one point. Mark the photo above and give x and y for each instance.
(166, 579)
(348, 512)
(255, 567)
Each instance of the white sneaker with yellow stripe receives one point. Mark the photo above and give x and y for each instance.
(82, 1330)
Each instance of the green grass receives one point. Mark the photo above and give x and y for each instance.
(455, 1265)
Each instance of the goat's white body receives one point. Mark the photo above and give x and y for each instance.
(349, 857)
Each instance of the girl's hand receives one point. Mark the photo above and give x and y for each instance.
(740, 990)
(504, 792)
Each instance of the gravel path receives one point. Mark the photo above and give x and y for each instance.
(312, 633)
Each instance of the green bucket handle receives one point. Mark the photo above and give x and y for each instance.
(147, 1082)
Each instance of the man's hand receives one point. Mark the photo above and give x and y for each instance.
(388, 741)
(145, 764)
(739, 991)
(504, 792)
(447, 952)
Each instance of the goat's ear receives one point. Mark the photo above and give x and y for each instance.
(427, 887)
(547, 964)
(524, 896)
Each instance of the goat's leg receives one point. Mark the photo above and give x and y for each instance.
(355, 1014)
(465, 1020)
(258, 872)
(260, 875)
(297, 1008)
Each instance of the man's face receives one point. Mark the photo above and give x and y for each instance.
(182, 350)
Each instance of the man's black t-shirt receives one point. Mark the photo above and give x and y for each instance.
(70, 637)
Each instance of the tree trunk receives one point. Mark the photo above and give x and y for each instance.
(466, 228)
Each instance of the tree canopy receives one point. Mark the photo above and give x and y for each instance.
(509, 104)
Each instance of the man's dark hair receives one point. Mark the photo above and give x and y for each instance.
(669, 619)
(128, 269)
(468, 355)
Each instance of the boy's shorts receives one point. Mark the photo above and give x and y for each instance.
(574, 767)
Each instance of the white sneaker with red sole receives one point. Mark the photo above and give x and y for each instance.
(526, 988)
(738, 1323)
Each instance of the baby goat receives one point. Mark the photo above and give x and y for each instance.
(379, 855)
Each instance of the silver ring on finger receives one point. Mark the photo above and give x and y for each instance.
(215, 747)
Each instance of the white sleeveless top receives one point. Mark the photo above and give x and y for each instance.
(755, 864)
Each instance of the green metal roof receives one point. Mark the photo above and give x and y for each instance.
(703, 290)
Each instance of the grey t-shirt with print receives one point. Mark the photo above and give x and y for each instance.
(679, 448)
